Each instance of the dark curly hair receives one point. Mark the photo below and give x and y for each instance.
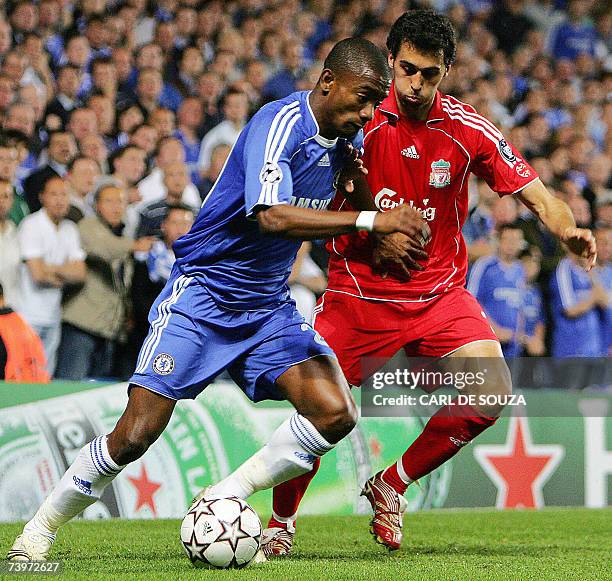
(427, 31)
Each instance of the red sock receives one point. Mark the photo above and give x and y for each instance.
(446, 432)
(286, 497)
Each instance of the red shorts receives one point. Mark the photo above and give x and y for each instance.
(358, 328)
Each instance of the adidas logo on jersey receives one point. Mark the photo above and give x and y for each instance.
(324, 161)
(410, 152)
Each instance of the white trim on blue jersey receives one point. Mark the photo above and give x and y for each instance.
(160, 323)
(278, 134)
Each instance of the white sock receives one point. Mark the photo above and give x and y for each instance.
(288, 521)
(291, 451)
(83, 484)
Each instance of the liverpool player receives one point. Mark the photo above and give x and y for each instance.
(420, 148)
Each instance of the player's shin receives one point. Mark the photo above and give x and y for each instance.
(292, 450)
(287, 496)
(82, 484)
(446, 432)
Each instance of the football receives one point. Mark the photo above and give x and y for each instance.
(222, 533)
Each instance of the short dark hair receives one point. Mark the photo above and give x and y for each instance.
(1, 292)
(119, 152)
(357, 56)
(180, 207)
(427, 31)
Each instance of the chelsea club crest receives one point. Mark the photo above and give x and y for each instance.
(163, 364)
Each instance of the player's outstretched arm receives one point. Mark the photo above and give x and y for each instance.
(556, 215)
(303, 223)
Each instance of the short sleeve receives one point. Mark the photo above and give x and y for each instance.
(31, 240)
(498, 162)
(270, 144)
(74, 250)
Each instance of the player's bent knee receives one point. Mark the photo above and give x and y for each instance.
(338, 422)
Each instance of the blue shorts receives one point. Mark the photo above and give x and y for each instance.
(191, 340)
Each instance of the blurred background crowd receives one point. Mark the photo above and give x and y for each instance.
(116, 118)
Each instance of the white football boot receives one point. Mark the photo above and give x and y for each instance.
(30, 546)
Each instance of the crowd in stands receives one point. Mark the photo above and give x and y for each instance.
(116, 117)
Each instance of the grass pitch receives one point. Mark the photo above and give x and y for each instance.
(470, 545)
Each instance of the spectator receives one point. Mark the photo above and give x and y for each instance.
(176, 180)
(22, 357)
(509, 24)
(169, 151)
(217, 161)
(60, 152)
(21, 117)
(65, 101)
(104, 108)
(127, 119)
(164, 121)
(94, 318)
(604, 211)
(83, 173)
(151, 271)
(284, 82)
(145, 137)
(9, 161)
(533, 331)
(498, 283)
(576, 296)
(128, 166)
(577, 35)
(9, 246)
(52, 258)
(93, 146)
(82, 123)
(189, 118)
(148, 90)
(191, 66)
(7, 94)
(77, 52)
(603, 277)
(235, 111)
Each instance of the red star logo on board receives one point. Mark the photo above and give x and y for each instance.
(145, 489)
(519, 468)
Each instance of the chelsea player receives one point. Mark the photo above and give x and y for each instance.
(227, 306)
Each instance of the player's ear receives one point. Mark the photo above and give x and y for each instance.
(326, 81)
(390, 60)
(448, 68)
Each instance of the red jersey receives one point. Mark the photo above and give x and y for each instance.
(425, 164)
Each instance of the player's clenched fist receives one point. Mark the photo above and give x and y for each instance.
(402, 246)
(406, 220)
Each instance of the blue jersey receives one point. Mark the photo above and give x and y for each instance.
(578, 336)
(604, 275)
(532, 309)
(279, 158)
(499, 289)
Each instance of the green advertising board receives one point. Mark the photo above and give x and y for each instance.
(523, 461)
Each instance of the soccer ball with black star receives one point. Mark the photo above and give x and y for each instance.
(222, 533)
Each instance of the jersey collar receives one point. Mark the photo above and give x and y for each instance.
(390, 109)
(322, 141)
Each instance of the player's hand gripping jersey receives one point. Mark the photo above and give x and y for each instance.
(425, 164)
(279, 158)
